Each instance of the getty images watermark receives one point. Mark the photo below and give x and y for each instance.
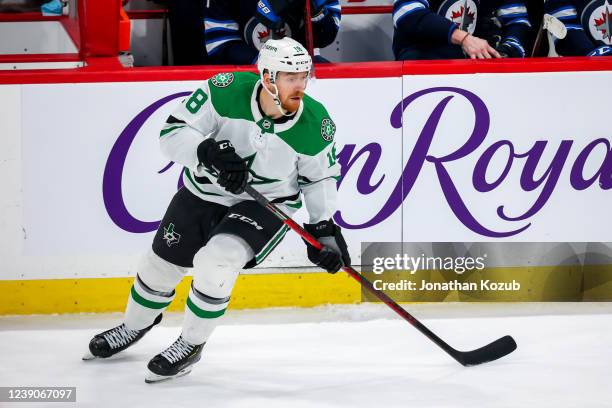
(434, 271)
(456, 264)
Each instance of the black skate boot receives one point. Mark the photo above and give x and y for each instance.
(117, 339)
(175, 361)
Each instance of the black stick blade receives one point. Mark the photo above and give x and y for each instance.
(492, 351)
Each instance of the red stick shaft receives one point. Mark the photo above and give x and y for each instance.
(303, 233)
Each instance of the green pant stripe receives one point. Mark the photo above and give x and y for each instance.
(272, 244)
(204, 314)
(147, 303)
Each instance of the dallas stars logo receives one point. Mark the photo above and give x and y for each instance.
(266, 125)
(222, 80)
(171, 236)
(256, 178)
(328, 129)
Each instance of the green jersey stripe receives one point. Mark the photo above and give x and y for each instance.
(188, 174)
(304, 183)
(297, 204)
(164, 132)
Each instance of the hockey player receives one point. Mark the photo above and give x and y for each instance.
(445, 29)
(235, 30)
(588, 23)
(236, 128)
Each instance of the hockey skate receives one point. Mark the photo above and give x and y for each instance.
(111, 342)
(176, 361)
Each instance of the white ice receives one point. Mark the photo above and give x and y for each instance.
(340, 356)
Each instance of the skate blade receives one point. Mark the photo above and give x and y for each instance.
(152, 378)
(88, 356)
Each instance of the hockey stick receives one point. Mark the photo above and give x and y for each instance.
(538, 40)
(490, 352)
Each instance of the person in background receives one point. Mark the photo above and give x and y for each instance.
(588, 23)
(235, 30)
(448, 29)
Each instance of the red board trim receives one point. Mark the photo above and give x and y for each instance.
(23, 17)
(112, 73)
(7, 58)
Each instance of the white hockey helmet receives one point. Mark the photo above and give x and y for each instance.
(283, 55)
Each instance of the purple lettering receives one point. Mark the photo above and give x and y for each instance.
(479, 179)
(577, 179)
(364, 160)
(420, 154)
(113, 172)
(549, 178)
(347, 160)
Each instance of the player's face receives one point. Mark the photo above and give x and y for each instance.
(291, 86)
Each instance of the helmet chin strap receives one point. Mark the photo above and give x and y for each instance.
(275, 97)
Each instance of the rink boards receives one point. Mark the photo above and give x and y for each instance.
(432, 152)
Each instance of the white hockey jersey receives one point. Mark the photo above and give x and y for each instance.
(284, 160)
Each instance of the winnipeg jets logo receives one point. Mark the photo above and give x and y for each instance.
(222, 80)
(461, 12)
(328, 129)
(603, 26)
(256, 34)
(597, 16)
(264, 34)
(170, 236)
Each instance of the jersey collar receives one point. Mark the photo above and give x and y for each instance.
(278, 127)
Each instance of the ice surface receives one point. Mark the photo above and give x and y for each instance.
(337, 356)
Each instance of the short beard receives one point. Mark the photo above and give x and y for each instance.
(292, 106)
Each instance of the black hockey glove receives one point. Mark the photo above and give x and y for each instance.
(334, 254)
(220, 156)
